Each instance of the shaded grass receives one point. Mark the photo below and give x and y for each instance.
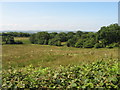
(51, 56)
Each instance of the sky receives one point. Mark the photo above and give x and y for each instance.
(65, 16)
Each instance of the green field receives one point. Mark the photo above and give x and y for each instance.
(52, 56)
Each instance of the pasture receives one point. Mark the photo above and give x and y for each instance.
(52, 56)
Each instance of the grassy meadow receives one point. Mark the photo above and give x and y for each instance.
(52, 56)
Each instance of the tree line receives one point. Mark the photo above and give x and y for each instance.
(15, 34)
(107, 36)
(8, 37)
(10, 40)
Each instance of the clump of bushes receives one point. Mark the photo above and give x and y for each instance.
(18, 42)
(98, 45)
(99, 74)
(112, 45)
(55, 42)
(79, 43)
(71, 42)
(10, 40)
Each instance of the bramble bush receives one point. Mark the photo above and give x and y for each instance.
(99, 74)
(98, 45)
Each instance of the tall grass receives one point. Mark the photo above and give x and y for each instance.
(51, 56)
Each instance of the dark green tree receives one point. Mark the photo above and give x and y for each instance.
(62, 36)
(55, 42)
(79, 43)
(109, 34)
(8, 39)
(53, 34)
(71, 42)
(40, 38)
(79, 33)
(33, 39)
(89, 43)
(70, 35)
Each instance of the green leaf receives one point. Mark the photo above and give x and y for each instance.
(73, 85)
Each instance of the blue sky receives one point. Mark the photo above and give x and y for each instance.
(58, 15)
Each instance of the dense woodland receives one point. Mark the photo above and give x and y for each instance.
(107, 36)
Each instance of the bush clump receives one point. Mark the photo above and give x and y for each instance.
(98, 45)
(18, 42)
(100, 74)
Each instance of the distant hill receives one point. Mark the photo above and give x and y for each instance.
(50, 31)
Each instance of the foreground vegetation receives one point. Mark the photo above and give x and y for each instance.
(99, 74)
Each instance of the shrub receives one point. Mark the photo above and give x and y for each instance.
(99, 74)
(89, 43)
(71, 42)
(112, 45)
(98, 45)
(18, 42)
(109, 46)
(40, 38)
(62, 36)
(55, 42)
(79, 43)
(116, 44)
